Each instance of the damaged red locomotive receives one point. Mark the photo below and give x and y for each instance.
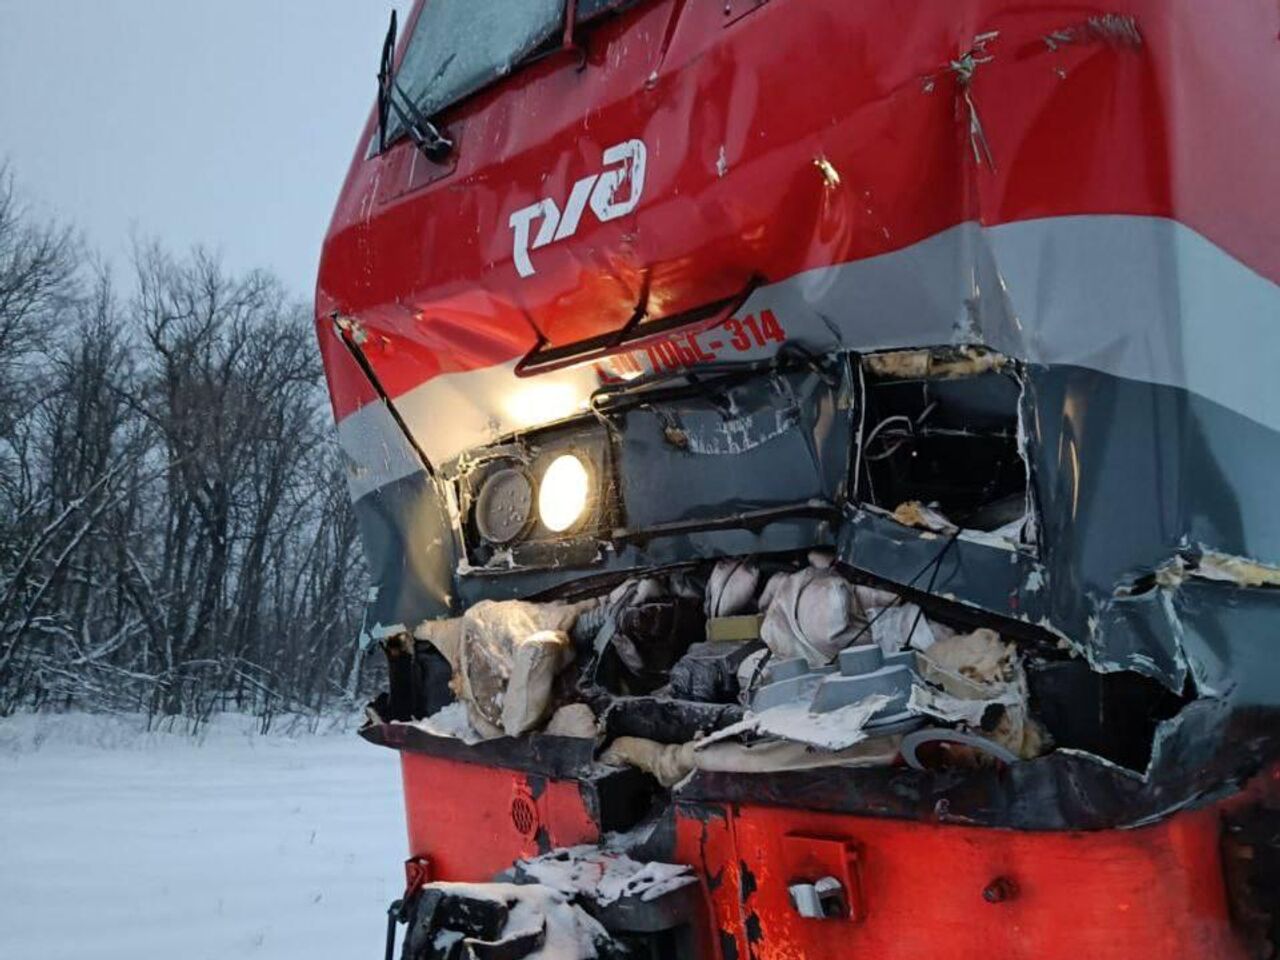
(816, 463)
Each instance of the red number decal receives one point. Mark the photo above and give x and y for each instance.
(684, 354)
(663, 355)
(687, 351)
(701, 355)
(740, 339)
(772, 328)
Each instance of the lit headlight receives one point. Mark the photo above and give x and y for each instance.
(563, 493)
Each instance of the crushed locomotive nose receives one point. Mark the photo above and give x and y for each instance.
(806, 475)
(893, 645)
(917, 631)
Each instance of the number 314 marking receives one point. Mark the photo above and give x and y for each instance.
(762, 331)
(690, 349)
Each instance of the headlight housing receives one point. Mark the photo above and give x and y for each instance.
(538, 500)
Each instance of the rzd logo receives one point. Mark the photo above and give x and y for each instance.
(600, 190)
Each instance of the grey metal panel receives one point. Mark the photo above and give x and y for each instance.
(769, 442)
(409, 544)
(375, 450)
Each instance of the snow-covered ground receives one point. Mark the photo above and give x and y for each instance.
(121, 845)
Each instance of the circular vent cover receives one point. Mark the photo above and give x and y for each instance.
(504, 505)
(524, 815)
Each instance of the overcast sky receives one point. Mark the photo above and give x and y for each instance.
(224, 122)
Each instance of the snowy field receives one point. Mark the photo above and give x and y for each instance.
(122, 845)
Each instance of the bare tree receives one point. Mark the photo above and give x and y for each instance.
(175, 535)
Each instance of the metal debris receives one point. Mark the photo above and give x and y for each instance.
(829, 173)
(964, 67)
(976, 747)
(1120, 29)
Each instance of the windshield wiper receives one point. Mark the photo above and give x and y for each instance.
(384, 79)
(426, 136)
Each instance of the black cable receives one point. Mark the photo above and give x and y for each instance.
(936, 564)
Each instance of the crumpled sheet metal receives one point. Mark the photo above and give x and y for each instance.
(769, 442)
(1204, 755)
(1128, 477)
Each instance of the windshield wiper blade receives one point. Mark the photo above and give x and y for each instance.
(384, 79)
(426, 135)
(429, 138)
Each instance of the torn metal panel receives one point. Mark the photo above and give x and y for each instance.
(409, 546)
(1228, 637)
(770, 441)
(1206, 756)
(1003, 581)
(1131, 511)
(1140, 632)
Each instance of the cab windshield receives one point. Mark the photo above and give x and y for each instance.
(460, 46)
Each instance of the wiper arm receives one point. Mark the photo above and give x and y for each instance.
(426, 136)
(384, 79)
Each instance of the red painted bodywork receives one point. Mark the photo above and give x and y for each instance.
(1115, 895)
(919, 888)
(735, 110)
(469, 821)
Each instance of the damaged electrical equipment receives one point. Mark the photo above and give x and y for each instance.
(890, 645)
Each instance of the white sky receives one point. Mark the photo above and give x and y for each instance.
(224, 122)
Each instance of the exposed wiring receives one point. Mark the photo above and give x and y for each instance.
(758, 672)
(911, 427)
(936, 564)
(901, 438)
